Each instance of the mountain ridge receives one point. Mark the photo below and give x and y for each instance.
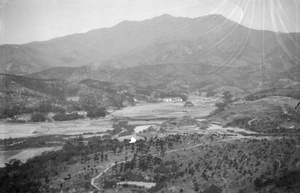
(109, 45)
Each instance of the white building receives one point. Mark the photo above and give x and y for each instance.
(83, 113)
(75, 99)
(175, 99)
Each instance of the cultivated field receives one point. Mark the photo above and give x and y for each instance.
(145, 122)
(23, 155)
(142, 114)
(63, 128)
(149, 111)
(219, 129)
(5, 155)
(141, 128)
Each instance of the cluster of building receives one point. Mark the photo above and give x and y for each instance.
(173, 99)
(74, 98)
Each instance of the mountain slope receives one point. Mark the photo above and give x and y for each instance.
(79, 49)
(211, 39)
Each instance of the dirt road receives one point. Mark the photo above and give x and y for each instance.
(170, 151)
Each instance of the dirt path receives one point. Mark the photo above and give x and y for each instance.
(99, 175)
(118, 134)
(249, 122)
(170, 151)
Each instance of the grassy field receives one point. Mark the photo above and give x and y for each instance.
(5, 155)
(23, 155)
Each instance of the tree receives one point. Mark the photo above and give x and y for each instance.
(228, 97)
(66, 117)
(121, 167)
(96, 158)
(96, 112)
(45, 107)
(38, 117)
(102, 156)
(213, 189)
(11, 112)
(189, 104)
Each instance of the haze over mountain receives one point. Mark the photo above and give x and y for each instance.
(212, 40)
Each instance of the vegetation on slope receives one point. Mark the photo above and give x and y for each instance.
(271, 114)
(292, 91)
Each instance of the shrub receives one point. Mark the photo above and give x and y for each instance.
(211, 93)
(66, 117)
(109, 184)
(96, 112)
(227, 97)
(213, 189)
(3, 116)
(10, 112)
(221, 107)
(288, 180)
(157, 187)
(38, 117)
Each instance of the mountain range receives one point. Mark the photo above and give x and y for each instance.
(166, 52)
(164, 39)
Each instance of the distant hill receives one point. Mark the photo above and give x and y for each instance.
(292, 91)
(60, 73)
(179, 77)
(14, 83)
(212, 39)
(270, 114)
(19, 94)
(165, 54)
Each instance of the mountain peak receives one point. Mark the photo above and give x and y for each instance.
(216, 17)
(166, 16)
(163, 17)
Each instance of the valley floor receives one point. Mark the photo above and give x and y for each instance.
(178, 150)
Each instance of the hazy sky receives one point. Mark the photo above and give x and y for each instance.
(24, 21)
